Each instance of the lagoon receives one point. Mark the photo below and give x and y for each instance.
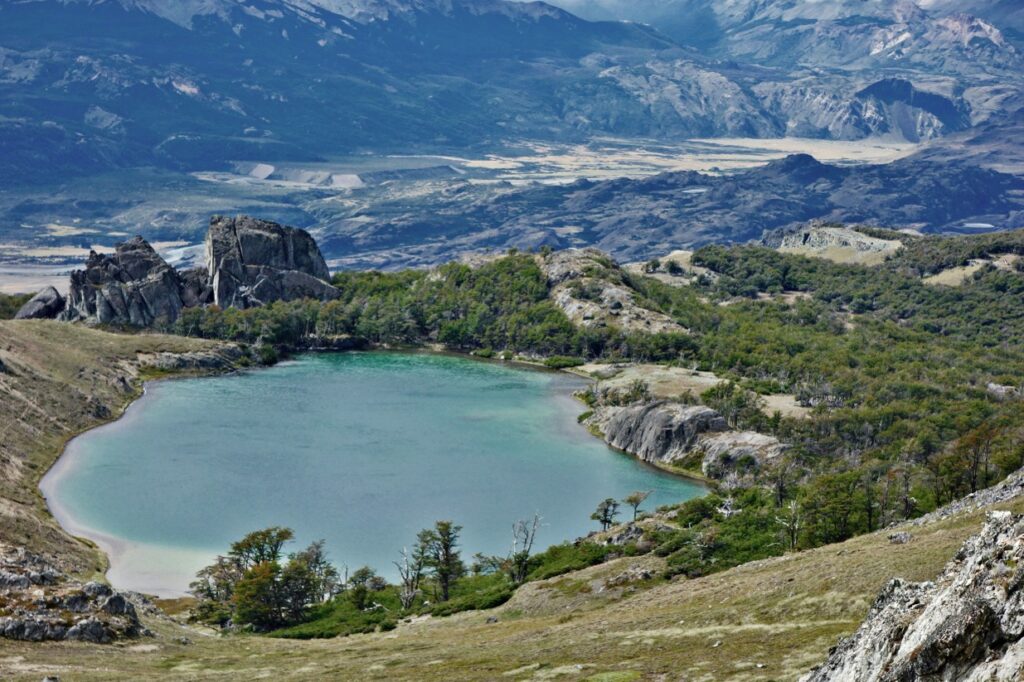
(361, 449)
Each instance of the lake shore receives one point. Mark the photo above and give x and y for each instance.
(123, 554)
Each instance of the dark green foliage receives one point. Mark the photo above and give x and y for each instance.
(343, 616)
(476, 593)
(10, 304)
(562, 362)
(559, 559)
(722, 532)
(502, 307)
(250, 586)
(439, 547)
(606, 512)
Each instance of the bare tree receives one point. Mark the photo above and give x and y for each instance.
(791, 523)
(410, 570)
(523, 535)
(635, 499)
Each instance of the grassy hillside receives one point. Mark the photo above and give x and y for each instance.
(782, 614)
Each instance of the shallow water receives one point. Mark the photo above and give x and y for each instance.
(362, 449)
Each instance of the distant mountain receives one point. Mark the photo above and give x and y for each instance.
(638, 218)
(944, 36)
(90, 85)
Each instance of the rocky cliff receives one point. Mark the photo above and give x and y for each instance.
(250, 262)
(839, 244)
(967, 625)
(133, 286)
(665, 432)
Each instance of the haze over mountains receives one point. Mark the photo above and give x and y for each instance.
(91, 91)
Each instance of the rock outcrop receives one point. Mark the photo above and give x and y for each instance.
(39, 603)
(587, 287)
(132, 286)
(45, 305)
(839, 244)
(250, 262)
(661, 432)
(666, 432)
(733, 454)
(968, 625)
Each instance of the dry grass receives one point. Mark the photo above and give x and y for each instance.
(670, 382)
(782, 614)
(954, 277)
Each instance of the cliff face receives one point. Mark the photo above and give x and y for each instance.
(250, 262)
(968, 625)
(662, 432)
(665, 432)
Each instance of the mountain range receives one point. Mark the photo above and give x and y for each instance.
(91, 85)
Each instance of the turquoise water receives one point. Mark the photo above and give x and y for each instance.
(361, 449)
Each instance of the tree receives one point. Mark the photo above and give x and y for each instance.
(440, 550)
(523, 535)
(635, 499)
(361, 583)
(791, 522)
(325, 579)
(256, 597)
(213, 588)
(250, 585)
(261, 546)
(606, 512)
(515, 566)
(410, 571)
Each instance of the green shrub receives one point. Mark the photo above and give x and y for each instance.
(563, 362)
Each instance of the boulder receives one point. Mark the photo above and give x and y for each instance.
(89, 630)
(967, 625)
(250, 262)
(133, 286)
(45, 305)
(195, 288)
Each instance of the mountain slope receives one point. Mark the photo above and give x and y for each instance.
(635, 219)
(87, 86)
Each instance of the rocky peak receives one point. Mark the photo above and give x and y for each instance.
(967, 625)
(134, 285)
(250, 262)
(589, 288)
